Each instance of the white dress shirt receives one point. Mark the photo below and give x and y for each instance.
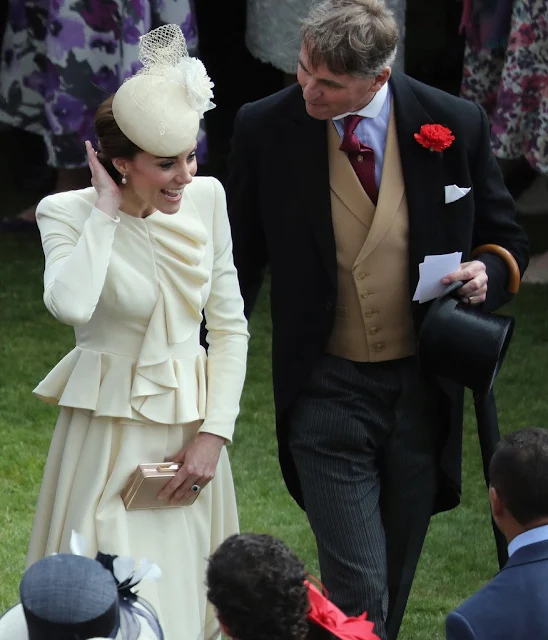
(538, 534)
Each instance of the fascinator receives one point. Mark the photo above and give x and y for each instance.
(137, 619)
(160, 107)
(63, 597)
(328, 616)
(66, 596)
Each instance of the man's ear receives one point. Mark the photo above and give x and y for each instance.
(381, 79)
(497, 506)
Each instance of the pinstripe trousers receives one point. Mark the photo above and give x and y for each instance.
(364, 440)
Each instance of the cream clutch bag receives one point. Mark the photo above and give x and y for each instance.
(146, 482)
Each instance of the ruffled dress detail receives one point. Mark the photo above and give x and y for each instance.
(165, 381)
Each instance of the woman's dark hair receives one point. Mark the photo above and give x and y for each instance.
(256, 583)
(112, 142)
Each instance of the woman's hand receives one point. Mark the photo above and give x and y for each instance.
(110, 195)
(198, 461)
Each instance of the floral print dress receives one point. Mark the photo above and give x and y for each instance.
(512, 85)
(62, 58)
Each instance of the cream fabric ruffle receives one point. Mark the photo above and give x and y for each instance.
(105, 384)
(164, 379)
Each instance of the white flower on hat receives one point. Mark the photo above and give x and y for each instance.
(171, 92)
(124, 568)
(192, 74)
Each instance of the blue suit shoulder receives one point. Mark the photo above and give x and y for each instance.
(514, 604)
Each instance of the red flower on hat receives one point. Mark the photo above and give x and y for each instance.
(435, 137)
(326, 615)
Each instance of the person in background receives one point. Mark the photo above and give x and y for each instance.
(260, 591)
(59, 61)
(273, 32)
(514, 604)
(505, 70)
(71, 597)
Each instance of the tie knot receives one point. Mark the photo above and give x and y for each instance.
(350, 123)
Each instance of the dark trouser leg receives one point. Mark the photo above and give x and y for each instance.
(408, 488)
(340, 431)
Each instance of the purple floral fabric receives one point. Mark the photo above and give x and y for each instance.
(512, 86)
(62, 58)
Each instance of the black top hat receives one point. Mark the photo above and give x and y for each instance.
(66, 596)
(462, 343)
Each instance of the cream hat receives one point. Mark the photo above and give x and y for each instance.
(160, 107)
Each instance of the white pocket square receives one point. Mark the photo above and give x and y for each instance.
(452, 193)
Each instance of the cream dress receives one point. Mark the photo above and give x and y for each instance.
(138, 385)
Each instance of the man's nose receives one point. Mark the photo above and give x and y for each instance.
(311, 91)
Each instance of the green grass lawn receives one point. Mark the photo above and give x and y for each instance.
(459, 554)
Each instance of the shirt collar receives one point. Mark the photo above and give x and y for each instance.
(538, 534)
(373, 108)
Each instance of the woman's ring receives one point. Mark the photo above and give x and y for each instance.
(195, 488)
(469, 299)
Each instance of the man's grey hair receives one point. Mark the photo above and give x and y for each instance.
(354, 37)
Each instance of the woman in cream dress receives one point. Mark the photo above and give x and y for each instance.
(131, 263)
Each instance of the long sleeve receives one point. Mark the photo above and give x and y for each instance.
(227, 334)
(495, 221)
(76, 257)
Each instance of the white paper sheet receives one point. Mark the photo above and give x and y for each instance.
(431, 271)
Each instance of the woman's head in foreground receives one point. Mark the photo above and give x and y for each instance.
(144, 178)
(257, 585)
(147, 131)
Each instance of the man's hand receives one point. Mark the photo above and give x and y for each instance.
(474, 276)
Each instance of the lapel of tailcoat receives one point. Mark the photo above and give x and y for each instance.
(305, 140)
(422, 174)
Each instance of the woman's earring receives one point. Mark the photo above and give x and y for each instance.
(124, 179)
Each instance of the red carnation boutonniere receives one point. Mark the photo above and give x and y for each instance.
(435, 137)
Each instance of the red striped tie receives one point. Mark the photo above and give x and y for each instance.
(361, 157)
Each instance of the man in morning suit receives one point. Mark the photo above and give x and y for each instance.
(515, 603)
(329, 187)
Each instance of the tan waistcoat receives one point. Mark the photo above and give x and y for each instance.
(373, 318)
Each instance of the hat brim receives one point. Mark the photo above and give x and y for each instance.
(13, 625)
(463, 343)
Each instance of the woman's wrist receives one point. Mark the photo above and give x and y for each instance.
(108, 206)
(212, 437)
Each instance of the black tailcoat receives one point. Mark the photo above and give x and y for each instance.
(279, 206)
